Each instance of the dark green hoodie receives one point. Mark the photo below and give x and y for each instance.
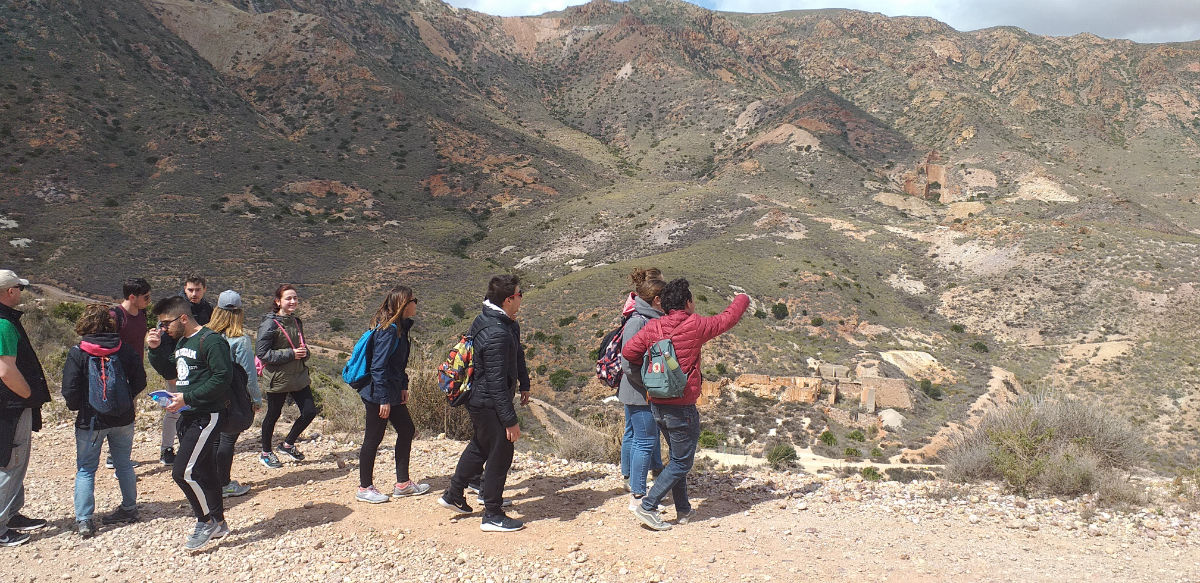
(200, 367)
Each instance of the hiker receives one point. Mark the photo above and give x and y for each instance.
(386, 396)
(22, 392)
(283, 352)
(499, 369)
(194, 287)
(640, 448)
(229, 321)
(102, 355)
(677, 418)
(200, 365)
(130, 319)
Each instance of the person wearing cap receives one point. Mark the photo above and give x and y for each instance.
(229, 321)
(23, 390)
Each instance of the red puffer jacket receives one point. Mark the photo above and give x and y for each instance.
(688, 332)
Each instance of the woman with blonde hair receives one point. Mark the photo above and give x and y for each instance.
(229, 321)
(385, 396)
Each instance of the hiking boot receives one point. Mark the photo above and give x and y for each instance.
(233, 489)
(409, 488)
(108, 462)
(121, 515)
(86, 528)
(204, 532)
(269, 459)
(168, 456)
(504, 502)
(371, 495)
(459, 505)
(500, 523)
(222, 529)
(291, 450)
(650, 518)
(11, 538)
(685, 517)
(24, 524)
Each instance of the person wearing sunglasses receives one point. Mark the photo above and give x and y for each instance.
(23, 391)
(385, 397)
(499, 371)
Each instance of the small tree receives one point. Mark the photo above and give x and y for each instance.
(780, 311)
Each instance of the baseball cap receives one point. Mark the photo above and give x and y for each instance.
(9, 279)
(229, 300)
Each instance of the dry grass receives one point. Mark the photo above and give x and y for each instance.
(1053, 445)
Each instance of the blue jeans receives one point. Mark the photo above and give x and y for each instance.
(88, 443)
(640, 449)
(681, 426)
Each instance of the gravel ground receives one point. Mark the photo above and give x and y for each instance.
(301, 523)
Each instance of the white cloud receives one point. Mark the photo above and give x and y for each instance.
(1139, 20)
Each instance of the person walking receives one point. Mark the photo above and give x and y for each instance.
(283, 352)
(385, 396)
(678, 418)
(640, 447)
(99, 341)
(229, 321)
(499, 369)
(23, 391)
(194, 288)
(200, 364)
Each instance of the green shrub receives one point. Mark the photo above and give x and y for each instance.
(932, 391)
(871, 474)
(560, 378)
(709, 440)
(781, 456)
(1044, 444)
(337, 324)
(565, 321)
(958, 328)
(817, 322)
(780, 311)
(721, 368)
(447, 322)
(760, 314)
(827, 437)
(978, 346)
(458, 311)
(852, 452)
(876, 453)
(856, 435)
(68, 311)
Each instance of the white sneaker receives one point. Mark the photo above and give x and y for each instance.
(371, 496)
(409, 488)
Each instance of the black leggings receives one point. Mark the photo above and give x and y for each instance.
(405, 431)
(223, 449)
(308, 412)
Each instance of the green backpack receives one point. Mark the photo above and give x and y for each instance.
(661, 374)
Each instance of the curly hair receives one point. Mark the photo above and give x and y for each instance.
(95, 319)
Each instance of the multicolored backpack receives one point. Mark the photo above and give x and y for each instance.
(454, 374)
(608, 366)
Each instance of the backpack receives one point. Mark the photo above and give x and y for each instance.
(239, 416)
(109, 392)
(608, 366)
(454, 374)
(661, 374)
(357, 372)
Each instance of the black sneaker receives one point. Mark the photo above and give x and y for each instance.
(500, 523)
(168, 456)
(24, 524)
(86, 528)
(291, 450)
(11, 538)
(460, 504)
(108, 463)
(121, 516)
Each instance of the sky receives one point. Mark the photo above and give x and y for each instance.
(1146, 21)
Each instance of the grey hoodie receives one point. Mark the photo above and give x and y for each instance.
(631, 391)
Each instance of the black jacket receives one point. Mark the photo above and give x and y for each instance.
(30, 368)
(388, 375)
(75, 379)
(499, 363)
(201, 311)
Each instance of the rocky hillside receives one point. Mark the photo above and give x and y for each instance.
(992, 198)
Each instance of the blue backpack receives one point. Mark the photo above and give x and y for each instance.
(109, 393)
(661, 373)
(357, 372)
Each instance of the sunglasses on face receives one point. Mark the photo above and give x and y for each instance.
(517, 295)
(21, 287)
(164, 324)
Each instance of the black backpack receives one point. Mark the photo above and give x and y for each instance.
(239, 416)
